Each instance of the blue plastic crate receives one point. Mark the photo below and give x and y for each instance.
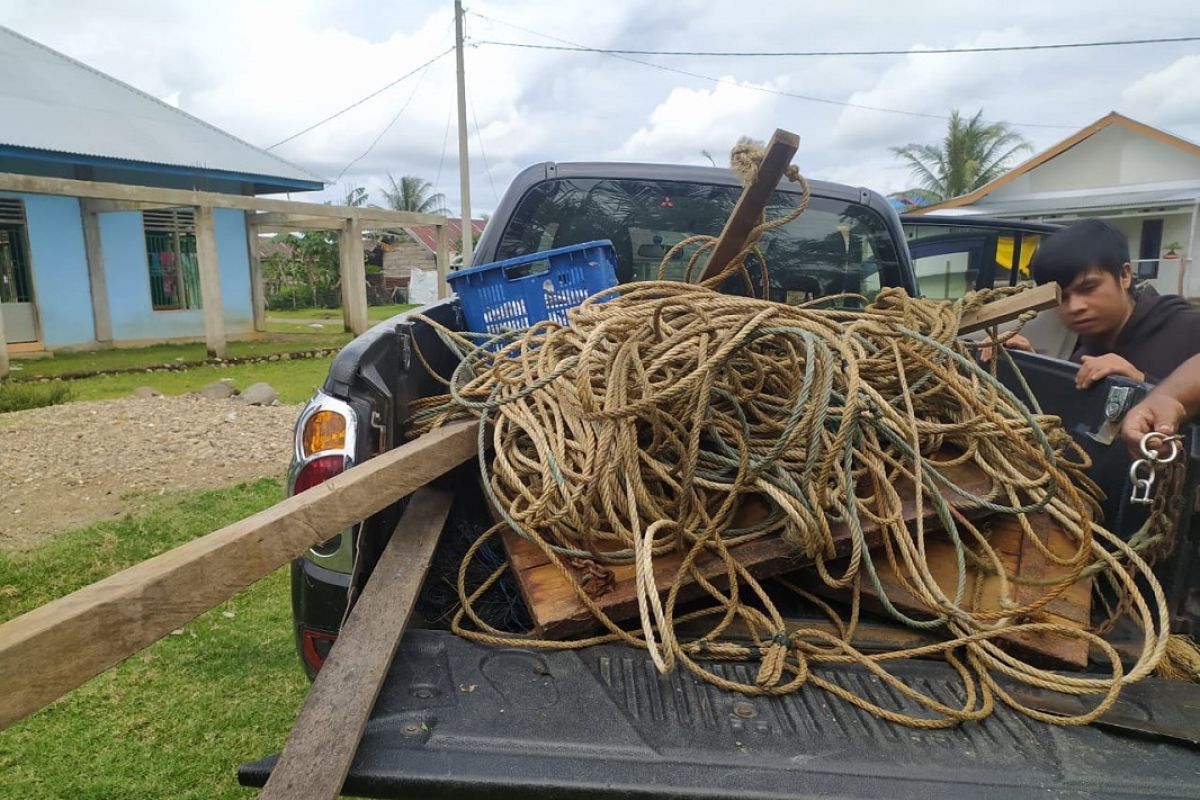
(518, 292)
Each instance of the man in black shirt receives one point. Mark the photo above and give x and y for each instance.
(1142, 335)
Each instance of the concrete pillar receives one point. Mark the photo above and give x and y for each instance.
(101, 317)
(443, 261)
(3, 346)
(354, 276)
(258, 297)
(210, 282)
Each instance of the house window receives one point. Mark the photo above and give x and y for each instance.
(171, 258)
(1149, 247)
(14, 253)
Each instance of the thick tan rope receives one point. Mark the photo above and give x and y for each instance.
(639, 429)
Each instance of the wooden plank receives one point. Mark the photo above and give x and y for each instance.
(317, 756)
(1048, 295)
(56, 647)
(210, 283)
(152, 196)
(558, 613)
(97, 280)
(443, 261)
(750, 206)
(1071, 608)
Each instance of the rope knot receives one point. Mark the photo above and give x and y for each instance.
(773, 660)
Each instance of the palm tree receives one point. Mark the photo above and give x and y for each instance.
(973, 153)
(411, 193)
(356, 196)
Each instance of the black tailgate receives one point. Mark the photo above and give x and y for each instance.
(456, 719)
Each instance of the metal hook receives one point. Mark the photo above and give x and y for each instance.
(1142, 485)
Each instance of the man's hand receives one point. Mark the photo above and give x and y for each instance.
(1014, 342)
(1097, 368)
(1158, 412)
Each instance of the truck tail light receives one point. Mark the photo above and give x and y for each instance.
(325, 430)
(318, 471)
(315, 647)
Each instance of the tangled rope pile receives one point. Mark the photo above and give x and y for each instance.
(641, 427)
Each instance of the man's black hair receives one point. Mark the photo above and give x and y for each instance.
(1086, 245)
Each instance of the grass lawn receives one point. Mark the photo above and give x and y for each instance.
(294, 381)
(158, 355)
(375, 313)
(176, 719)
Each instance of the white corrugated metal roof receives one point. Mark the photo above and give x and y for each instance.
(1082, 199)
(51, 102)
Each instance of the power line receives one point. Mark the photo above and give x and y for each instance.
(388, 127)
(360, 101)
(815, 53)
(753, 87)
(479, 138)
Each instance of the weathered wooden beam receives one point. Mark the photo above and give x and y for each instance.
(1048, 295)
(210, 283)
(317, 756)
(750, 206)
(443, 261)
(98, 281)
(50, 650)
(155, 196)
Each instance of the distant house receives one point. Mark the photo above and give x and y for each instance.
(1142, 179)
(419, 250)
(78, 271)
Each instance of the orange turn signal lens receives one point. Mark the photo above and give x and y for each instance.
(325, 430)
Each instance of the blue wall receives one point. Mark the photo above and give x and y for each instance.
(61, 288)
(125, 266)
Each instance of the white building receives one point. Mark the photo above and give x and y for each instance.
(1143, 180)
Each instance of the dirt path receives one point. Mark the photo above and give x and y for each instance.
(69, 465)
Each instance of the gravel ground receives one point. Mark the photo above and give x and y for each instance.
(77, 463)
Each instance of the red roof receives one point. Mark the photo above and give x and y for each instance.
(427, 234)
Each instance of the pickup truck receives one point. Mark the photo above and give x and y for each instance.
(457, 719)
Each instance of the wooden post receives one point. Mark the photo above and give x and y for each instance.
(258, 299)
(750, 206)
(443, 261)
(354, 277)
(101, 318)
(3, 347)
(210, 282)
(322, 744)
(50, 650)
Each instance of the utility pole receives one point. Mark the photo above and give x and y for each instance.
(464, 170)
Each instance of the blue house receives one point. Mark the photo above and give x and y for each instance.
(112, 206)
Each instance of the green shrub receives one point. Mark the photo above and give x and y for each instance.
(19, 396)
(287, 298)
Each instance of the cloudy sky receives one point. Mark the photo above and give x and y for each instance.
(266, 70)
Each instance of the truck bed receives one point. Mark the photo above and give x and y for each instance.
(457, 719)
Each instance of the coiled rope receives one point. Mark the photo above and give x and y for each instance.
(640, 427)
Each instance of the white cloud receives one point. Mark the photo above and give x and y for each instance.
(690, 120)
(1170, 96)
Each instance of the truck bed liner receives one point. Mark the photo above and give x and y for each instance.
(457, 719)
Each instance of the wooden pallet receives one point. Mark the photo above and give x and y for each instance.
(558, 613)
(1071, 608)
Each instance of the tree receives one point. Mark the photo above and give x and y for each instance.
(356, 196)
(411, 193)
(973, 153)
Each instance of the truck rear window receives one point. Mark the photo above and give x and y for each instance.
(833, 247)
